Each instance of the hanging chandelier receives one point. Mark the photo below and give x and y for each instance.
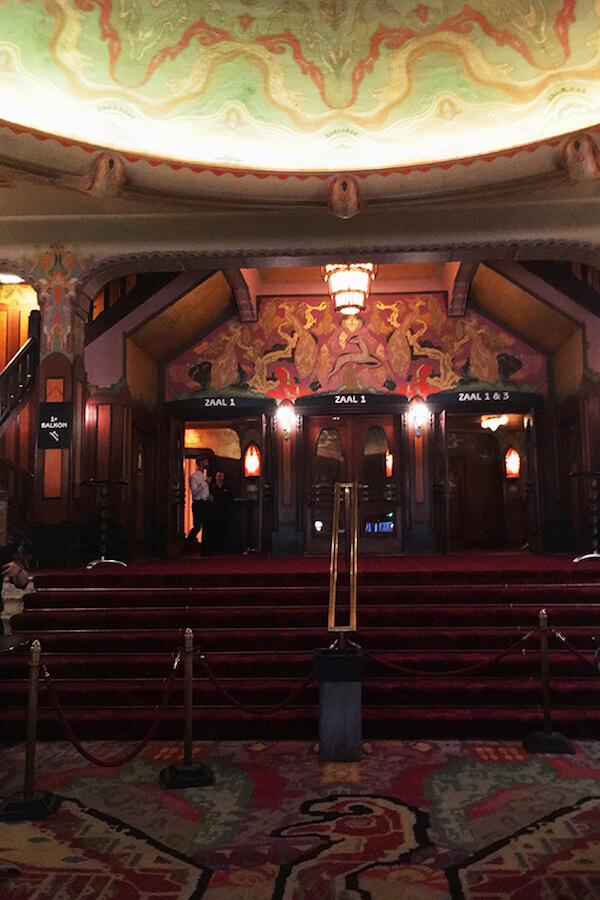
(349, 285)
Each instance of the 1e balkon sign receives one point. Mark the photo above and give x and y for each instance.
(54, 425)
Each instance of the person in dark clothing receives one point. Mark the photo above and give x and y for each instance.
(220, 516)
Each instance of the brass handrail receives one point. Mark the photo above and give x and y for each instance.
(349, 492)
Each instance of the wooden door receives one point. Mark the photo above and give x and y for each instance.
(360, 449)
(533, 515)
(475, 491)
(445, 484)
(176, 498)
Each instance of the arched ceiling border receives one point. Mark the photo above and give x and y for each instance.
(104, 268)
(283, 174)
(22, 271)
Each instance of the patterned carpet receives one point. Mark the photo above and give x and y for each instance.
(410, 821)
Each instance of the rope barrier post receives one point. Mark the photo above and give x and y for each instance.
(188, 773)
(31, 805)
(546, 741)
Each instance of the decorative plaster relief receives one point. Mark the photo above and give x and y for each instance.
(302, 86)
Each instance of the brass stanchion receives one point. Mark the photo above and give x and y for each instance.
(187, 774)
(31, 805)
(339, 667)
(546, 741)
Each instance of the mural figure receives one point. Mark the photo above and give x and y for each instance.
(406, 345)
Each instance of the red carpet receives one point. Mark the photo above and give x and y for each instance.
(450, 646)
(517, 562)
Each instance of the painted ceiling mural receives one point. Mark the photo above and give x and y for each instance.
(296, 86)
(405, 344)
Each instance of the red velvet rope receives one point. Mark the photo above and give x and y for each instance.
(573, 650)
(259, 711)
(473, 668)
(113, 763)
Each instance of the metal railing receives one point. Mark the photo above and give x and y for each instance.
(20, 373)
(346, 495)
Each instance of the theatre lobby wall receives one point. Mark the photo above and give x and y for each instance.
(404, 345)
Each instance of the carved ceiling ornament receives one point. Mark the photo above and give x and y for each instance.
(344, 197)
(580, 157)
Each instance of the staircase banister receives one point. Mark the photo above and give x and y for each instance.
(19, 374)
(14, 467)
(30, 344)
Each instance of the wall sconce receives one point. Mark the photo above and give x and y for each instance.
(252, 461)
(349, 286)
(512, 463)
(389, 464)
(418, 414)
(286, 418)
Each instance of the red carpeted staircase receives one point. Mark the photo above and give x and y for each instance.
(109, 636)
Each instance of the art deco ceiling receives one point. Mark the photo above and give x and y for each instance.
(326, 86)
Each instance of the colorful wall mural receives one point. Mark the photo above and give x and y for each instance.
(302, 86)
(404, 344)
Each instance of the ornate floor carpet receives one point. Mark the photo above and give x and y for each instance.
(411, 821)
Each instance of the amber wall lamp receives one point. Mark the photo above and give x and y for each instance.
(512, 463)
(252, 461)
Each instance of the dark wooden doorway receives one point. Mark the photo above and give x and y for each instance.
(485, 509)
(359, 448)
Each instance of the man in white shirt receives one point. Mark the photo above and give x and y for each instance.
(201, 496)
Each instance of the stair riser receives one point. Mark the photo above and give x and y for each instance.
(199, 618)
(492, 641)
(298, 665)
(405, 724)
(401, 595)
(497, 694)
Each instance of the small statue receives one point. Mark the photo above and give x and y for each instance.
(344, 198)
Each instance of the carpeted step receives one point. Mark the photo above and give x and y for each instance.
(480, 568)
(262, 595)
(301, 723)
(407, 692)
(199, 617)
(467, 628)
(270, 664)
(373, 640)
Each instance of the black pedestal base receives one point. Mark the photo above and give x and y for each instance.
(340, 704)
(41, 805)
(179, 775)
(541, 742)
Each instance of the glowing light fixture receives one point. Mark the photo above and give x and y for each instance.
(252, 461)
(418, 414)
(286, 418)
(389, 464)
(493, 422)
(512, 463)
(9, 278)
(349, 286)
